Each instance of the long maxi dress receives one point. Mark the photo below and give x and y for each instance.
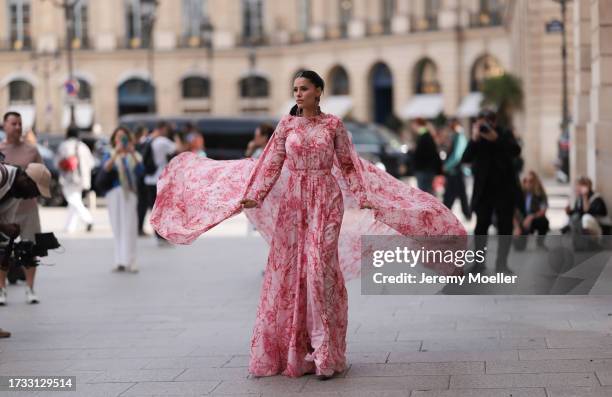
(308, 174)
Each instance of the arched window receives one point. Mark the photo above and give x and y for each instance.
(426, 77)
(381, 81)
(485, 67)
(20, 91)
(339, 81)
(84, 93)
(136, 96)
(195, 87)
(254, 87)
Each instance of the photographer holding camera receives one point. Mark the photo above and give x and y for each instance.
(492, 152)
(16, 185)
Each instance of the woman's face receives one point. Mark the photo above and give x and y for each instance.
(305, 93)
(118, 138)
(582, 188)
(528, 183)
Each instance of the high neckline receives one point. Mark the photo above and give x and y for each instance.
(314, 117)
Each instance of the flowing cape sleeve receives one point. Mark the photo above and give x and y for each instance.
(269, 166)
(195, 194)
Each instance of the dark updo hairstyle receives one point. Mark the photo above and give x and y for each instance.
(315, 79)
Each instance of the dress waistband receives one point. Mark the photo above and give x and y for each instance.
(310, 171)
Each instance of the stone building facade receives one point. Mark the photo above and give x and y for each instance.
(379, 57)
(591, 133)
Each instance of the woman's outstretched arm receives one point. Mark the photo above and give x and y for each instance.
(268, 167)
(342, 145)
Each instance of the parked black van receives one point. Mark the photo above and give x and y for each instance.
(227, 137)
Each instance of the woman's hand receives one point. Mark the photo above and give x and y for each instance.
(527, 222)
(248, 203)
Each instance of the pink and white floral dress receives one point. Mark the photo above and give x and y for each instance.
(309, 184)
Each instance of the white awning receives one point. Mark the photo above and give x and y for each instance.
(83, 115)
(28, 115)
(338, 105)
(470, 105)
(427, 106)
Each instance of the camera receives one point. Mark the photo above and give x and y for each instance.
(25, 253)
(484, 128)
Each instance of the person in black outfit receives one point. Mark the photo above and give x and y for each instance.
(143, 202)
(492, 151)
(455, 183)
(427, 162)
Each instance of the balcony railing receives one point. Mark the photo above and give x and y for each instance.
(188, 41)
(134, 43)
(423, 24)
(485, 19)
(253, 41)
(16, 45)
(81, 43)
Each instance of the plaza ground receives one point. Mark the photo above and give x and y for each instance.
(182, 327)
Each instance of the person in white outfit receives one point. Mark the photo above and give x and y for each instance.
(75, 161)
(124, 165)
(161, 148)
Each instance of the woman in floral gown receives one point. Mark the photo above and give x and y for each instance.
(296, 194)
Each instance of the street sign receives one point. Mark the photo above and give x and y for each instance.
(72, 87)
(554, 26)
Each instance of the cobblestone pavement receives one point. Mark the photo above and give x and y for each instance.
(182, 327)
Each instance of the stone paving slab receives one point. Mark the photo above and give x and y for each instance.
(405, 369)
(526, 392)
(182, 326)
(448, 356)
(365, 384)
(579, 391)
(522, 380)
(544, 366)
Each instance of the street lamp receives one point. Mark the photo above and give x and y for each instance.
(207, 30)
(554, 27)
(148, 9)
(45, 57)
(560, 26)
(68, 7)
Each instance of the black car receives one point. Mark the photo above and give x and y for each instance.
(379, 145)
(227, 137)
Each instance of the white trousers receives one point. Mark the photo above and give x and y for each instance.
(122, 211)
(76, 209)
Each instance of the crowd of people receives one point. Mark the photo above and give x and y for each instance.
(491, 155)
(131, 169)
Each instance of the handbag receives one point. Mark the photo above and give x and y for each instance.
(69, 164)
(105, 180)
